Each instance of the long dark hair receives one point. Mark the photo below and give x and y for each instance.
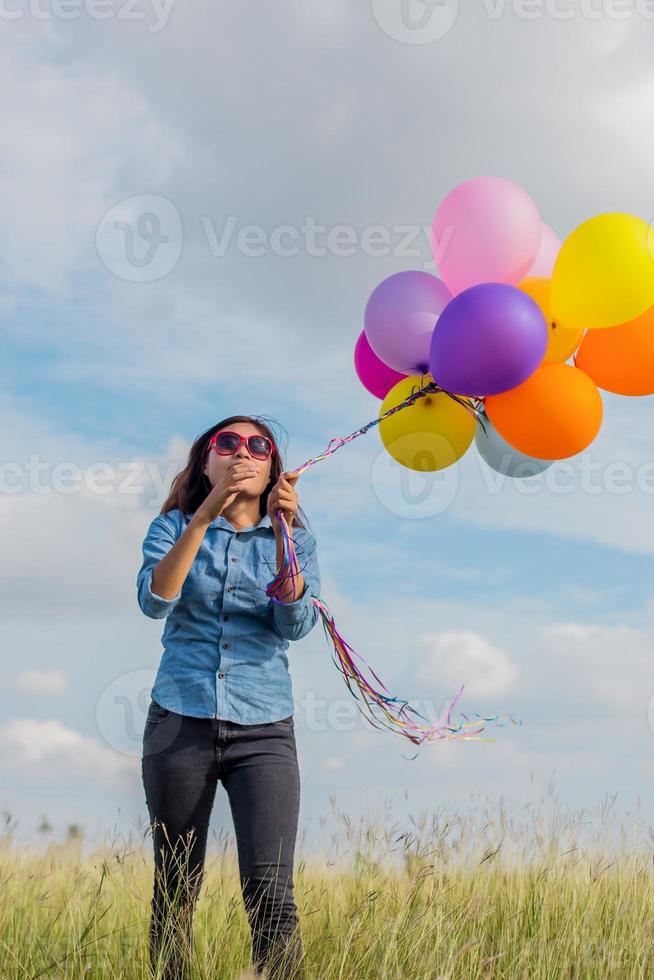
(191, 486)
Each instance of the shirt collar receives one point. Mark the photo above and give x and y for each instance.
(221, 521)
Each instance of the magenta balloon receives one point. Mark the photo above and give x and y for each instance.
(490, 338)
(373, 374)
(400, 317)
(487, 229)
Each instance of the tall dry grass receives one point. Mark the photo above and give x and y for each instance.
(492, 891)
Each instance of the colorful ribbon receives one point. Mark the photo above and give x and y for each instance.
(382, 710)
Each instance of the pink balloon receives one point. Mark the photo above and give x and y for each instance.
(486, 229)
(373, 374)
(550, 245)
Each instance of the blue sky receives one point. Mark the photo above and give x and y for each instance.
(540, 603)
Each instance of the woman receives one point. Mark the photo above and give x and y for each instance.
(222, 705)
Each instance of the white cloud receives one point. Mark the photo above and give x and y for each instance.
(577, 631)
(67, 543)
(504, 754)
(612, 665)
(464, 657)
(42, 682)
(50, 752)
(622, 113)
(63, 143)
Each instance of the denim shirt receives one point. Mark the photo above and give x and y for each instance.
(224, 640)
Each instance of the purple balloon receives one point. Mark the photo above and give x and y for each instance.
(490, 338)
(400, 317)
(373, 374)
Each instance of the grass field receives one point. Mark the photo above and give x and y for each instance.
(529, 892)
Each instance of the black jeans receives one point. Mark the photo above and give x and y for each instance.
(183, 759)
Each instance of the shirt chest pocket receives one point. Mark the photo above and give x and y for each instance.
(204, 582)
(253, 578)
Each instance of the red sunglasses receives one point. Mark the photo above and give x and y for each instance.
(226, 443)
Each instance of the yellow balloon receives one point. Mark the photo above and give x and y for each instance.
(604, 273)
(431, 434)
(562, 342)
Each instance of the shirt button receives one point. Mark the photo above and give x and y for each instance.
(234, 559)
(225, 645)
(221, 675)
(230, 588)
(225, 615)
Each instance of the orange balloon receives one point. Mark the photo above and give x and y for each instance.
(562, 342)
(554, 414)
(621, 359)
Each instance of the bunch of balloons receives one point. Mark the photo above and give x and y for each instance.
(516, 334)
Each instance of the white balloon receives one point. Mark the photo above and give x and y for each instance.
(501, 455)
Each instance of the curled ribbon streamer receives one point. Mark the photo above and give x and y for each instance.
(380, 709)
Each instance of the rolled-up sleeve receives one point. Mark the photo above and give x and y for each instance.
(294, 620)
(158, 541)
